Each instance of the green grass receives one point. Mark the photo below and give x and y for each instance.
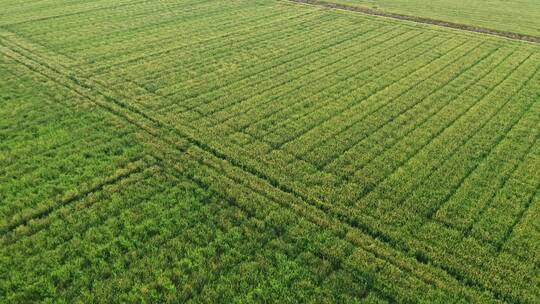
(263, 151)
(518, 16)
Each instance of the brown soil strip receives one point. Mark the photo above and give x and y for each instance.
(458, 26)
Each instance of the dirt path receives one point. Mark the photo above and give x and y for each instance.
(458, 26)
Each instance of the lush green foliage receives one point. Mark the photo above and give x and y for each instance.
(263, 151)
(518, 16)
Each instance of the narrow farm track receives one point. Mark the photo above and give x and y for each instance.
(464, 27)
(396, 147)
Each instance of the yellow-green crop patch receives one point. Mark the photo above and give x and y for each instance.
(518, 16)
(263, 151)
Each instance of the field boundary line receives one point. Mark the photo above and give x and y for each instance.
(421, 20)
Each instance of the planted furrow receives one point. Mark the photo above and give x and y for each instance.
(346, 83)
(248, 202)
(356, 157)
(380, 116)
(466, 160)
(30, 234)
(209, 93)
(521, 239)
(179, 87)
(11, 38)
(494, 182)
(296, 128)
(44, 209)
(148, 52)
(45, 28)
(61, 11)
(460, 133)
(286, 74)
(203, 103)
(250, 33)
(244, 112)
(110, 30)
(462, 216)
(168, 55)
(24, 167)
(385, 91)
(147, 94)
(391, 167)
(307, 210)
(214, 152)
(261, 151)
(495, 223)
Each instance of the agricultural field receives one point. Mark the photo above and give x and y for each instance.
(519, 16)
(248, 151)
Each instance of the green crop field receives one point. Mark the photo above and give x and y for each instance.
(520, 16)
(255, 151)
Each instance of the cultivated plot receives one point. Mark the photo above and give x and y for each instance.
(518, 16)
(291, 151)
